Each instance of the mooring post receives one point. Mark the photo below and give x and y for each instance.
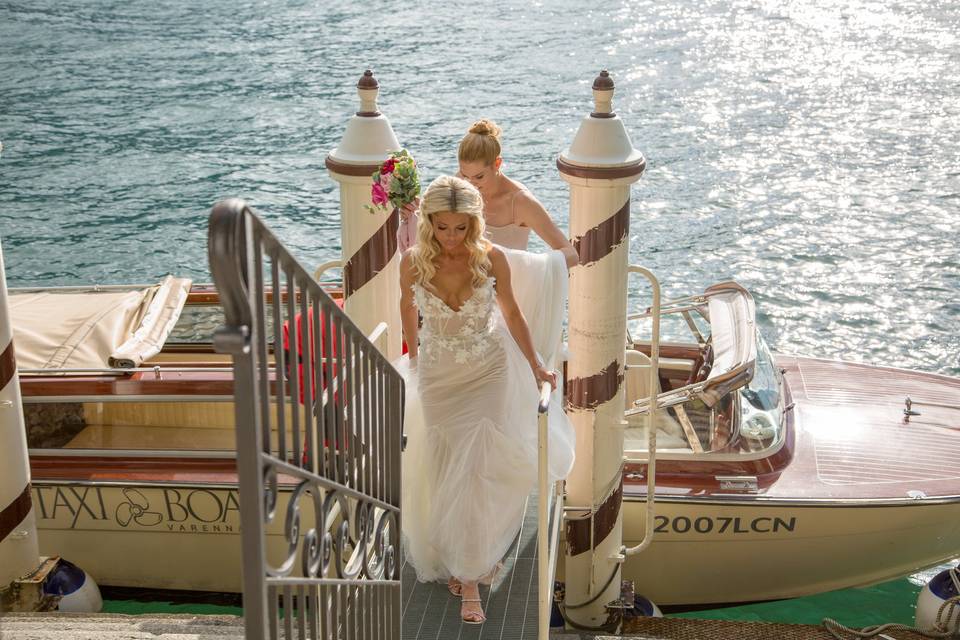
(600, 165)
(371, 263)
(19, 551)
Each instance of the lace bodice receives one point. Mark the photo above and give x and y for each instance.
(463, 335)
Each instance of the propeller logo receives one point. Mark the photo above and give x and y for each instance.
(135, 509)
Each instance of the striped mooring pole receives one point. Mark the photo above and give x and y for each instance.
(371, 267)
(600, 166)
(19, 551)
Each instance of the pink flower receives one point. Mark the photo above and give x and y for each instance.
(385, 180)
(387, 166)
(378, 194)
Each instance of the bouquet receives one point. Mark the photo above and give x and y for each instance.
(395, 184)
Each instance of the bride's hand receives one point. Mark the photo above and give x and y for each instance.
(542, 375)
(409, 209)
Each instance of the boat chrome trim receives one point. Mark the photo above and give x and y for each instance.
(766, 501)
(92, 288)
(219, 454)
(686, 455)
(156, 369)
(124, 398)
(151, 484)
(738, 483)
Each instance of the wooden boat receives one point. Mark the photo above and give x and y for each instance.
(130, 423)
(779, 476)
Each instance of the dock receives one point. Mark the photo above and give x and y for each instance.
(66, 626)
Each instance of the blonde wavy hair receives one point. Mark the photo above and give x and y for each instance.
(481, 142)
(448, 194)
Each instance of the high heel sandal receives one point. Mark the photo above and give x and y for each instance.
(455, 587)
(472, 617)
(490, 577)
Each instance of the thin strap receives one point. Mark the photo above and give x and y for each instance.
(513, 205)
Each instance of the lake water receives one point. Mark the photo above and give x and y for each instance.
(809, 150)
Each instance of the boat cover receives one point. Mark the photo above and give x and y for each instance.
(94, 329)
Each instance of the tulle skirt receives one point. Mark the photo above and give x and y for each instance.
(471, 455)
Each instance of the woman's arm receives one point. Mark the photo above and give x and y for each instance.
(531, 213)
(516, 323)
(409, 317)
(407, 229)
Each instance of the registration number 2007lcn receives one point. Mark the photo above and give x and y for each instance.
(724, 525)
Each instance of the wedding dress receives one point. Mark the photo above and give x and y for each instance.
(471, 426)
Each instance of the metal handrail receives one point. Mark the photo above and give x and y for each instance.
(646, 314)
(379, 336)
(652, 400)
(555, 538)
(342, 450)
(543, 499)
(326, 266)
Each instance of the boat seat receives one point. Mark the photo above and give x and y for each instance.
(636, 385)
(203, 414)
(152, 438)
(147, 426)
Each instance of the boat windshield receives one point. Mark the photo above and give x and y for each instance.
(743, 422)
(761, 409)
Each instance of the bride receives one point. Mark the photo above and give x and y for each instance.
(471, 418)
(510, 213)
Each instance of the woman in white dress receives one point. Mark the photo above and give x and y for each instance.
(472, 378)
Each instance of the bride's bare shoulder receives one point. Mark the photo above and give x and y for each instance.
(496, 254)
(498, 262)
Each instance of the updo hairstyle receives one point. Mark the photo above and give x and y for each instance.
(481, 143)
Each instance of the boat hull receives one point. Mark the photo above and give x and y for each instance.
(740, 551)
(187, 536)
(158, 536)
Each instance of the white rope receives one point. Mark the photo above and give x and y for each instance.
(950, 605)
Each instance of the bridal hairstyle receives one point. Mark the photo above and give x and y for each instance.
(482, 142)
(447, 194)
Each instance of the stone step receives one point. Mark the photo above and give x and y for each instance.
(112, 626)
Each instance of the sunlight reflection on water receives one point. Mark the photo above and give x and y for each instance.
(808, 150)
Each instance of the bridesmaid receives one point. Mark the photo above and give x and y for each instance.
(509, 209)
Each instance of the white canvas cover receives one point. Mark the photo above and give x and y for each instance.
(734, 332)
(732, 327)
(91, 329)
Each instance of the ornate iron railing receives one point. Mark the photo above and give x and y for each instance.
(319, 416)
